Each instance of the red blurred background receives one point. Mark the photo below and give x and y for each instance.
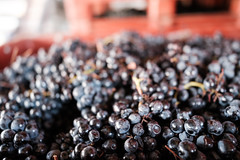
(38, 24)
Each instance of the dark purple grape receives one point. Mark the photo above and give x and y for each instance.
(110, 145)
(191, 71)
(184, 115)
(126, 112)
(95, 123)
(176, 125)
(173, 143)
(102, 115)
(187, 150)
(84, 129)
(150, 143)
(134, 118)
(156, 107)
(25, 150)
(88, 152)
(143, 109)
(226, 147)
(112, 119)
(138, 129)
(167, 133)
(192, 127)
(166, 115)
(78, 148)
(32, 130)
(18, 124)
(122, 126)
(117, 107)
(200, 119)
(131, 145)
(107, 132)
(205, 142)
(230, 137)
(154, 128)
(94, 135)
(7, 135)
(5, 121)
(21, 138)
(215, 127)
(196, 103)
(229, 127)
(209, 83)
(170, 73)
(185, 136)
(183, 95)
(232, 112)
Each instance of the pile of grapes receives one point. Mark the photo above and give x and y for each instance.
(125, 97)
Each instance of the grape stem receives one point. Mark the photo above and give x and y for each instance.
(147, 98)
(89, 71)
(14, 54)
(28, 52)
(99, 156)
(216, 91)
(137, 83)
(145, 117)
(220, 76)
(86, 72)
(174, 154)
(72, 79)
(195, 84)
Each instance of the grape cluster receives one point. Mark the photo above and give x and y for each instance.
(20, 136)
(125, 97)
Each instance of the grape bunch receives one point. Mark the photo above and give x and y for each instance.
(125, 97)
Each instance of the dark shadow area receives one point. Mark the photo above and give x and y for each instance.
(123, 13)
(202, 6)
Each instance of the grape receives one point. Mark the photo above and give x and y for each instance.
(131, 145)
(122, 126)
